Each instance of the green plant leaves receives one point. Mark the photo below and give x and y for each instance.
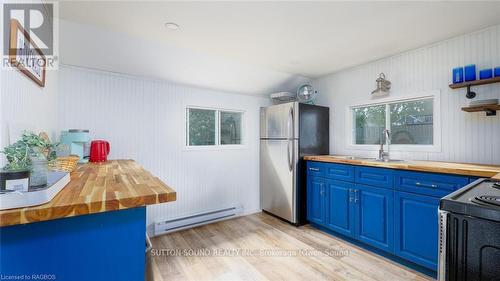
(30, 145)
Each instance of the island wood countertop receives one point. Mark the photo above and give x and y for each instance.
(96, 188)
(476, 170)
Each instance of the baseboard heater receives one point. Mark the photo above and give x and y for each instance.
(196, 219)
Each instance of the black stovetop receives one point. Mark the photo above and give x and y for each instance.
(479, 199)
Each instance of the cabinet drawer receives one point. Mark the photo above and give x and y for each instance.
(339, 172)
(374, 177)
(428, 184)
(315, 169)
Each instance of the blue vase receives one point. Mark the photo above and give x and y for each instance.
(485, 74)
(458, 75)
(470, 72)
(497, 71)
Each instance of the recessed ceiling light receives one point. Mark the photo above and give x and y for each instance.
(172, 25)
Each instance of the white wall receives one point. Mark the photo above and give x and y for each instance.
(466, 137)
(25, 105)
(145, 120)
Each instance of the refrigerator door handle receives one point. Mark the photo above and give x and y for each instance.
(288, 153)
(291, 159)
(290, 124)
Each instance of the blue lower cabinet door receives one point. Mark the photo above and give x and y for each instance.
(416, 228)
(106, 246)
(375, 217)
(316, 200)
(340, 207)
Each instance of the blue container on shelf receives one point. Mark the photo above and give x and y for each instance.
(470, 72)
(497, 71)
(485, 74)
(458, 75)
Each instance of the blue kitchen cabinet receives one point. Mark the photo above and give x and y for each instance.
(107, 246)
(393, 210)
(375, 216)
(316, 200)
(340, 207)
(416, 228)
(436, 185)
(339, 172)
(379, 177)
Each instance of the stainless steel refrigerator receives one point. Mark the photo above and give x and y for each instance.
(288, 132)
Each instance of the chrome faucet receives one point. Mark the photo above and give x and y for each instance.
(382, 155)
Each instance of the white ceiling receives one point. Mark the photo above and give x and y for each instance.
(292, 40)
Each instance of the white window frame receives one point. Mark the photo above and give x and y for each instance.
(435, 147)
(217, 145)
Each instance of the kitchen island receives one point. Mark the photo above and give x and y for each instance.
(94, 229)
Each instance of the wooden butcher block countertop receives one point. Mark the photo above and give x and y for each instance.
(477, 170)
(97, 188)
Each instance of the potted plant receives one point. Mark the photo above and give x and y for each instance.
(15, 175)
(31, 152)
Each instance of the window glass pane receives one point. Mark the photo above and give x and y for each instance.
(412, 122)
(230, 127)
(201, 126)
(370, 123)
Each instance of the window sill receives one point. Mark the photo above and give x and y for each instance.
(215, 147)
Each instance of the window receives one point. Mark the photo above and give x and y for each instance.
(213, 127)
(201, 126)
(411, 122)
(230, 127)
(370, 122)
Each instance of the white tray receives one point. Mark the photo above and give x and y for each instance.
(16, 199)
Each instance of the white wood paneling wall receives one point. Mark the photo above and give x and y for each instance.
(145, 120)
(25, 105)
(466, 137)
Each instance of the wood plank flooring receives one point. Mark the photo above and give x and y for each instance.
(261, 247)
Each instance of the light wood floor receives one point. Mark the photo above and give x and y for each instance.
(261, 231)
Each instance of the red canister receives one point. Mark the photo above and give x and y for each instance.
(99, 151)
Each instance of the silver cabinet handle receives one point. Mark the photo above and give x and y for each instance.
(356, 199)
(322, 191)
(350, 194)
(426, 185)
(314, 169)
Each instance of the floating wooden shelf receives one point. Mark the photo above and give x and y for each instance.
(490, 109)
(470, 94)
(475, 83)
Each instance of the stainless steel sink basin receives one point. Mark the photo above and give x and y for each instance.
(359, 158)
(390, 160)
(372, 159)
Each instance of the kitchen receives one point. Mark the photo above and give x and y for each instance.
(254, 140)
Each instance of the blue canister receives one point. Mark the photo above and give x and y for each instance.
(470, 72)
(497, 71)
(458, 75)
(485, 74)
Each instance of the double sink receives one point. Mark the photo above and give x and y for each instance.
(370, 159)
